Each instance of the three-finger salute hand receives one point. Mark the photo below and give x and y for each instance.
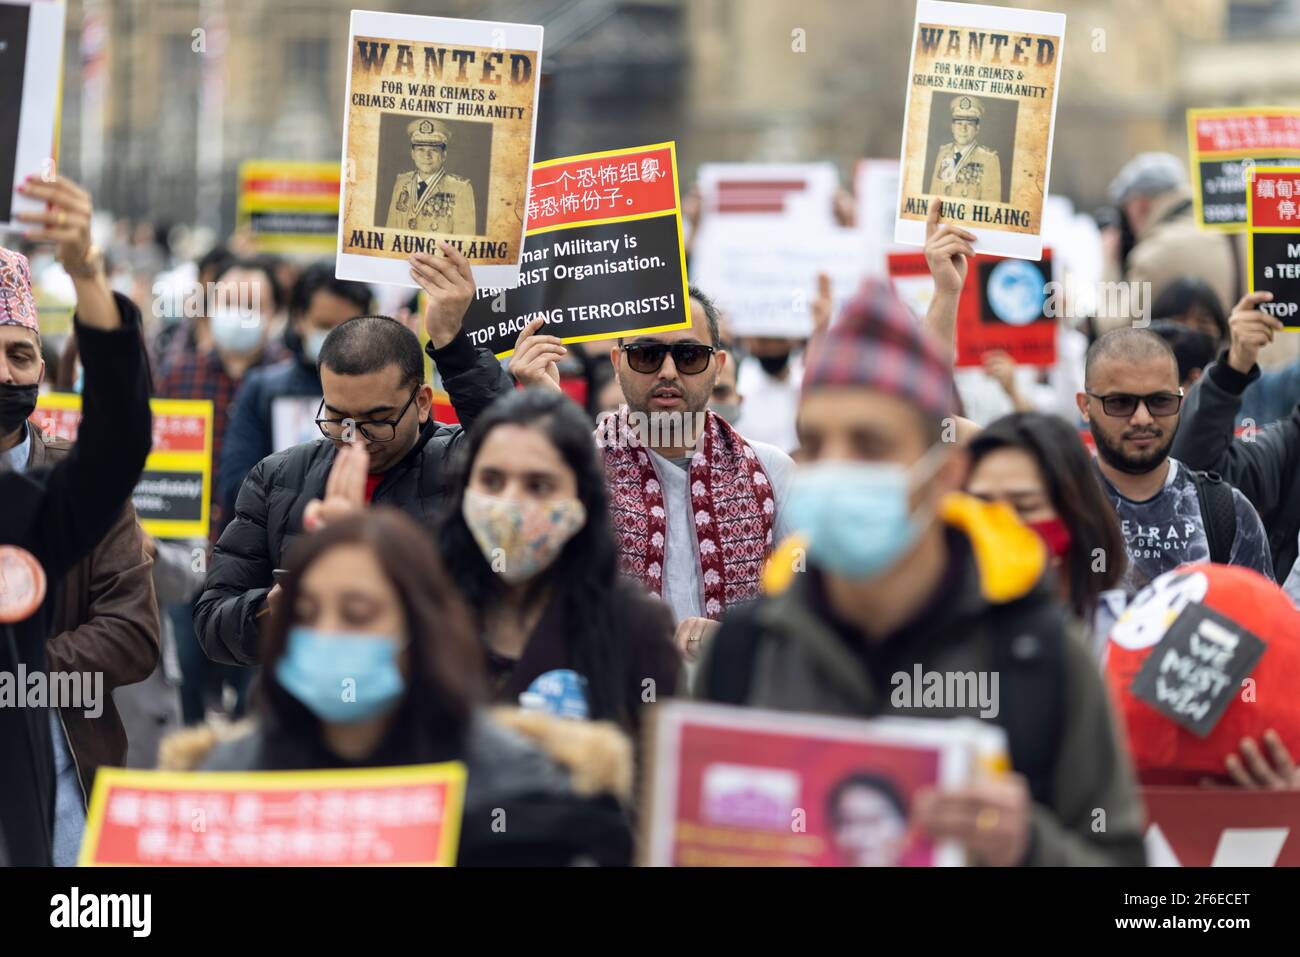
(345, 489)
(533, 362)
(449, 283)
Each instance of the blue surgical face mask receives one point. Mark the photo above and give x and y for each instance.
(236, 331)
(341, 678)
(311, 344)
(857, 515)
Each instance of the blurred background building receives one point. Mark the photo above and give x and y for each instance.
(164, 98)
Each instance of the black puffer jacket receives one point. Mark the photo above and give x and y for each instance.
(271, 502)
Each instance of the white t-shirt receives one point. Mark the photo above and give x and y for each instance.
(768, 411)
(683, 589)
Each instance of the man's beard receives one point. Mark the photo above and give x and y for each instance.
(1113, 455)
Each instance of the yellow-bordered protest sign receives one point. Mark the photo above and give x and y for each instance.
(289, 206)
(603, 253)
(172, 498)
(1224, 143)
(363, 817)
(1273, 239)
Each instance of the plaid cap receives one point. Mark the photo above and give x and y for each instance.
(17, 305)
(877, 343)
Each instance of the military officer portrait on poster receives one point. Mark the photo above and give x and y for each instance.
(428, 199)
(964, 169)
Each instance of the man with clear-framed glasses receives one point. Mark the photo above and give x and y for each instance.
(1170, 515)
(376, 397)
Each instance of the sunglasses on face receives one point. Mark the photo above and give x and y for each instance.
(689, 358)
(1121, 405)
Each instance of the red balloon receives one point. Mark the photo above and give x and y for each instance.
(1163, 751)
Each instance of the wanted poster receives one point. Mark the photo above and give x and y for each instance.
(31, 66)
(1273, 250)
(977, 131)
(603, 257)
(438, 129)
(1225, 144)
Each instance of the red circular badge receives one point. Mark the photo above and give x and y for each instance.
(22, 584)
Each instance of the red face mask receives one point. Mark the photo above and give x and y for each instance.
(1054, 535)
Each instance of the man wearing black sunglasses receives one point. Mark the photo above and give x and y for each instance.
(697, 517)
(1169, 514)
(375, 394)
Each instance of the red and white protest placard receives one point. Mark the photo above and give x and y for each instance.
(353, 818)
(1222, 827)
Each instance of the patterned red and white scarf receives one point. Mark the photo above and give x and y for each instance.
(731, 500)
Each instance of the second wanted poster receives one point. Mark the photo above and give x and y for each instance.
(977, 132)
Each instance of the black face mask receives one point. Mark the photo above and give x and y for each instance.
(17, 403)
(774, 365)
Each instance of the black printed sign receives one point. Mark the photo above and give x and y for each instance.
(1192, 675)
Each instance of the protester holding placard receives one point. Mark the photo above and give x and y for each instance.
(1263, 463)
(1170, 514)
(59, 514)
(893, 572)
(372, 375)
(317, 304)
(529, 544)
(371, 661)
(106, 622)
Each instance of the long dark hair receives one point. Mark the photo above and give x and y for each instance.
(583, 580)
(446, 680)
(1076, 496)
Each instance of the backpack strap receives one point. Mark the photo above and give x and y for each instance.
(1030, 661)
(1218, 513)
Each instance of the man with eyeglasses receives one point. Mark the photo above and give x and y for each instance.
(375, 395)
(1169, 514)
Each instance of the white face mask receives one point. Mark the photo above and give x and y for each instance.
(236, 331)
(311, 345)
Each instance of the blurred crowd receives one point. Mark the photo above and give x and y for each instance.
(514, 572)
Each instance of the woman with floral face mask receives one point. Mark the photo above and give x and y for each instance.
(528, 539)
(371, 661)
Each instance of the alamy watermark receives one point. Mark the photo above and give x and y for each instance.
(655, 430)
(82, 690)
(949, 690)
(194, 299)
